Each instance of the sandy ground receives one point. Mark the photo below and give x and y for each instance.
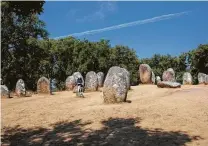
(155, 116)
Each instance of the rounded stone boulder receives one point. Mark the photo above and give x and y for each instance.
(187, 78)
(70, 83)
(168, 84)
(20, 88)
(100, 76)
(169, 75)
(91, 81)
(4, 91)
(145, 73)
(201, 78)
(76, 76)
(43, 85)
(115, 87)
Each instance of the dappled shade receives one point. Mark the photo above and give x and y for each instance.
(116, 131)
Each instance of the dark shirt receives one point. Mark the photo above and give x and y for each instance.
(79, 81)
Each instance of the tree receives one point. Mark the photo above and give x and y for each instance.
(198, 58)
(20, 25)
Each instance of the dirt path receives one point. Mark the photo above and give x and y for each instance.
(155, 116)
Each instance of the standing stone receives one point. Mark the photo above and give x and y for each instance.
(20, 88)
(76, 76)
(145, 73)
(91, 81)
(115, 87)
(187, 78)
(100, 76)
(4, 92)
(206, 80)
(201, 78)
(153, 78)
(43, 85)
(169, 75)
(158, 79)
(127, 74)
(168, 84)
(70, 83)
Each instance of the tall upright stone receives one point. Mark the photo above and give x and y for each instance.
(4, 92)
(91, 81)
(153, 78)
(100, 76)
(145, 73)
(206, 80)
(20, 88)
(169, 75)
(76, 76)
(43, 85)
(201, 78)
(115, 87)
(187, 78)
(70, 83)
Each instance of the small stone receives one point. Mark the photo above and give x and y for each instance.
(168, 84)
(43, 85)
(4, 91)
(20, 88)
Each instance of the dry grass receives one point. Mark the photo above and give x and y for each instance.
(154, 116)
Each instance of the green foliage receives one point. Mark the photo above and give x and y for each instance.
(74, 55)
(20, 29)
(198, 58)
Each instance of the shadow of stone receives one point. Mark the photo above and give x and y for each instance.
(116, 132)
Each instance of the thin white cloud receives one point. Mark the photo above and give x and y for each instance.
(139, 22)
(104, 9)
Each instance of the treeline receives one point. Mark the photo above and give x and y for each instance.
(27, 53)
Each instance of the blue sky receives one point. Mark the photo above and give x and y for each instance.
(171, 36)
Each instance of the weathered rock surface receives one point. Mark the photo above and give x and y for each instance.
(206, 80)
(76, 76)
(201, 78)
(153, 77)
(70, 83)
(91, 81)
(169, 75)
(115, 87)
(187, 78)
(20, 88)
(158, 79)
(145, 73)
(4, 91)
(100, 76)
(127, 74)
(168, 84)
(43, 85)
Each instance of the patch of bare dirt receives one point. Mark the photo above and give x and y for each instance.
(153, 116)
